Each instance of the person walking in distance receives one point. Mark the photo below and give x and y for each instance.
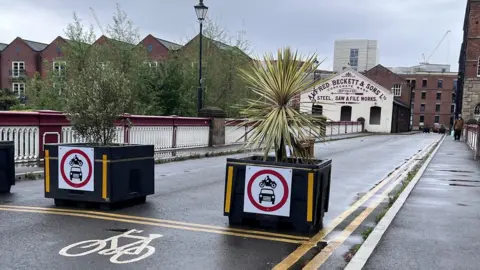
(458, 127)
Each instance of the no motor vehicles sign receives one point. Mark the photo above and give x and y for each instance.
(75, 170)
(267, 191)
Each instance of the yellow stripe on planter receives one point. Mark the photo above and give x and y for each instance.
(47, 171)
(104, 177)
(229, 189)
(310, 197)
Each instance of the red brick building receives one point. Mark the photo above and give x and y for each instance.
(402, 113)
(21, 58)
(433, 98)
(468, 93)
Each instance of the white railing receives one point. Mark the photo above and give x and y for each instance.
(234, 134)
(470, 135)
(70, 136)
(25, 139)
(160, 136)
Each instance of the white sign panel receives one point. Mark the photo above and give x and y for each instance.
(267, 191)
(75, 169)
(348, 88)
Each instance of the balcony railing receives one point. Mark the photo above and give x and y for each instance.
(17, 74)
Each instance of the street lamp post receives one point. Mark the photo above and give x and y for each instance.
(201, 11)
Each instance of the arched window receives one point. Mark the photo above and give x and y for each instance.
(346, 113)
(477, 110)
(317, 109)
(375, 115)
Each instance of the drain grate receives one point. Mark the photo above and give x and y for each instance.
(463, 185)
(118, 230)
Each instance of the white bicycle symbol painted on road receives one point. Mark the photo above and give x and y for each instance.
(134, 249)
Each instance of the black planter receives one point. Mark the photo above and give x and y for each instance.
(309, 193)
(7, 166)
(117, 173)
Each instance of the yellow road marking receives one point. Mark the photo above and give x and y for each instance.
(104, 177)
(293, 257)
(310, 197)
(130, 217)
(229, 189)
(47, 171)
(326, 252)
(224, 232)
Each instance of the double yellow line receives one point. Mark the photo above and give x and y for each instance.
(294, 239)
(320, 258)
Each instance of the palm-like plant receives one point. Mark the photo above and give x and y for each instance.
(276, 123)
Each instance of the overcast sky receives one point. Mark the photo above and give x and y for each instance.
(404, 28)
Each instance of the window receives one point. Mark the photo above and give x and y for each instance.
(354, 58)
(422, 118)
(455, 85)
(437, 107)
(149, 47)
(440, 83)
(413, 95)
(18, 68)
(453, 97)
(439, 96)
(317, 109)
(424, 95)
(478, 67)
(424, 83)
(452, 108)
(19, 89)
(437, 119)
(346, 113)
(397, 89)
(422, 107)
(59, 67)
(375, 115)
(477, 110)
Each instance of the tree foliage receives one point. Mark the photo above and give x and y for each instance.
(7, 99)
(278, 125)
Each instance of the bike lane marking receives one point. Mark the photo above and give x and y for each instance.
(281, 235)
(114, 249)
(157, 224)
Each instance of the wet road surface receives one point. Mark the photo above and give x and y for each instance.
(437, 227)
(190, 192)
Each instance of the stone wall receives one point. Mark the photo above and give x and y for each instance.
(471, 97)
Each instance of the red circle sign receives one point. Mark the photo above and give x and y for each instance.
(285, 191)
(89, 164)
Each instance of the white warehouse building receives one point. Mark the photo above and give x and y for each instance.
(359, 54)
(350, 95)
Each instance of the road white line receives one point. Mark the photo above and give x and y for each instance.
(363, 254)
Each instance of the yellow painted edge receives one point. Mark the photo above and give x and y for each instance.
(164, 225)
(130, 217)
(310, 197)
(47, 171)
(228, 195)
(104, 177)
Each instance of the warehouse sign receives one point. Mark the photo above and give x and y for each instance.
(348, 88)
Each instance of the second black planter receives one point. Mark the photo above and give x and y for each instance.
(271, 192)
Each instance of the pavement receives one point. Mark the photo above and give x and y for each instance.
(437, 227)
(187, 211)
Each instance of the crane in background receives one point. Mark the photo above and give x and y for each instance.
(96, 19)
(425, 59)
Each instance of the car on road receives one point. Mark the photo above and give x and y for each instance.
(76, 173)
(267, 194)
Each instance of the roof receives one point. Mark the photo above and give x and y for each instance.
(388, 70)
(36, 46)
(170, 45)
(3, 46)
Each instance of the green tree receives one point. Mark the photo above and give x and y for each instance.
(7, 99)
(223, 56)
